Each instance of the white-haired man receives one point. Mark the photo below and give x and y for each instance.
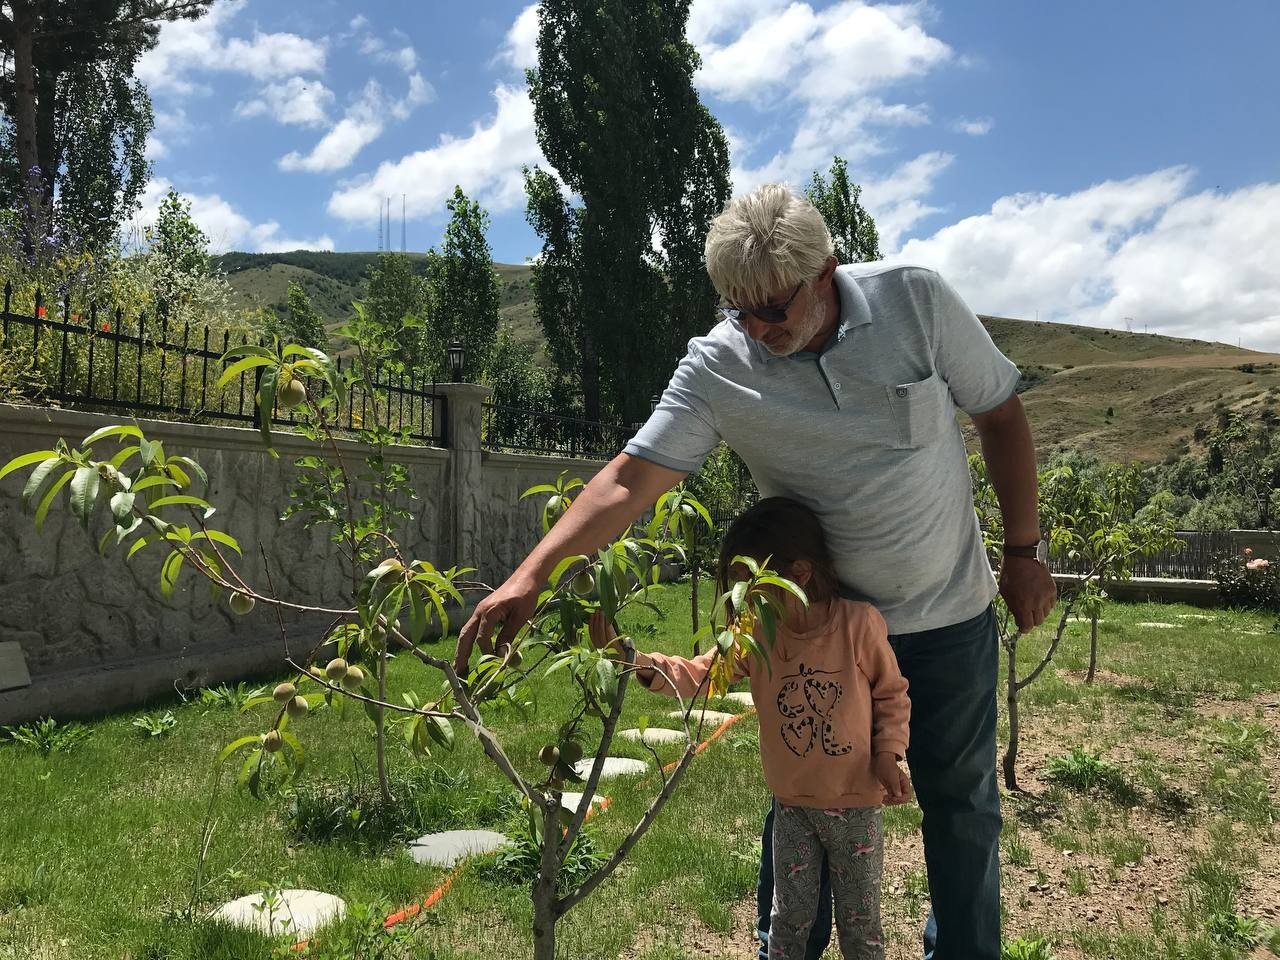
(838, 386)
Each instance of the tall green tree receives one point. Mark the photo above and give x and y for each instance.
(621, 282)
(839, 201)
(75, 121)
(397, 298)
(466, 291)
(301, 323)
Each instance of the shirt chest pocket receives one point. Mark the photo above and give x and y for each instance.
(917, 412)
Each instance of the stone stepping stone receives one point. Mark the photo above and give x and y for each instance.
(711, 718)
(1195, 616)
(1077, 618)
(1159, 625)
(613, 767)
(653, 735)
(742, 697)
(298, 913)
(447, 848)
(572, 801)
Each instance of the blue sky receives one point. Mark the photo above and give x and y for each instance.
(1115, 164)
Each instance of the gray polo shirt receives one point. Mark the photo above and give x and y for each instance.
(864, 433)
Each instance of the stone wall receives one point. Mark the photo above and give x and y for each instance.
(96, 634)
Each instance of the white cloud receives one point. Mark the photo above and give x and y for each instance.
(187, 47)
(1196, 265)
(974, 128)
(897, 203)
(822, 56)
(521, 46)
(225, 226)
(295, 101)
(709, 19)
(363, 123)
(487, 164)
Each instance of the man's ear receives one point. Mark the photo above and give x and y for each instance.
(829, 271)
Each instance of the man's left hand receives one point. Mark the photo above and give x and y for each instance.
(1028, 589)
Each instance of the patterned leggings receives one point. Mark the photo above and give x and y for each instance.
(853, 841)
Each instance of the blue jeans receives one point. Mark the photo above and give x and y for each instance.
(952, 676)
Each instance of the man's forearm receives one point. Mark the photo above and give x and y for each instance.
(1010, 455)
(614, 498)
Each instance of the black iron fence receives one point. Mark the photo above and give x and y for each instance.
(107, 360)
(511, 429)
(1193, 562)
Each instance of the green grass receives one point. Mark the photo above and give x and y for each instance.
(102, 842)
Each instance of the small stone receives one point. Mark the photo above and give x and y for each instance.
(742, 696)
(298, 913)
(712, 717)
(613, 767)
(572, 801)
(447, 848)
(1157, 624)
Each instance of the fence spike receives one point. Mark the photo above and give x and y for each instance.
(8, 294)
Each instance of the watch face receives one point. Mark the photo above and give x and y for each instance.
(1042, 552)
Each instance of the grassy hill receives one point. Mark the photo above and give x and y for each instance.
(1116, 394)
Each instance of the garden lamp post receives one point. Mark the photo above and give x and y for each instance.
(653, 402)
(457, 359)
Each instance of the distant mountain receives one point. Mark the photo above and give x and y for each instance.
(1119, 395)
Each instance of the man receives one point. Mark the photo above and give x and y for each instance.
(838, 387)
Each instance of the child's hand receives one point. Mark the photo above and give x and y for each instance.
(896, 783)
(601, 630)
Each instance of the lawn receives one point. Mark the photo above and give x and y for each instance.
(1155, 839)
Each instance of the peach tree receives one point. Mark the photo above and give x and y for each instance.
(146, 498)
(1081, 518)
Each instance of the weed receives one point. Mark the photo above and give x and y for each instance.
(159, 726)
(47, 736)
(224, 697)
(1026, 948)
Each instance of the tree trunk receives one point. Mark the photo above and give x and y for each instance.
(1093, 647)
(1011, 702)
(694, 576)
(380, 727)
(24, 78)
(590, 379)
(544, 920)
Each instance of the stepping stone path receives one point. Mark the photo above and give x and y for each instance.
(742, 697)
(572, 801)
(653, 735)
(447, 848)
(613, 767)
(1159, 625)
(298, 913)
(1195, 616)
(712, 718)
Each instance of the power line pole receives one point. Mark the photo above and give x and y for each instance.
(404, 247)
(379, 226)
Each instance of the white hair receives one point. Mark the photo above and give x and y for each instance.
(764, 243)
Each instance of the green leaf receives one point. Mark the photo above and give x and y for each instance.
(217, 536)
(737, 593)
(242, 366)
(180, 500)
(123, 430)
(169, 573)
(195, 468)
(37, 478)
(418, 618)
(150, 450)
(46, 501)
(607, 678)
(235, 745)
(563, 566)
(121, 506)
(84, 493)
(440, 730)
(154, 481)
(142, 542)
(26, 460)
(121, 458)
(540, 488)
(248, 350)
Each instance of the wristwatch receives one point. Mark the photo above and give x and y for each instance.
(1036, 551)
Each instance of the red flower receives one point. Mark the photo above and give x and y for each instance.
(40, 311)
(106, 327)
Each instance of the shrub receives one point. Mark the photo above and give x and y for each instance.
(1248, 582)
(47, 736)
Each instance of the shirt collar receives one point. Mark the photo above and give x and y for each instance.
(854, 312)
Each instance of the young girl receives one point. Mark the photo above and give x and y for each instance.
(833, 714)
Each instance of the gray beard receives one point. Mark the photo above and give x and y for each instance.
(804, 331)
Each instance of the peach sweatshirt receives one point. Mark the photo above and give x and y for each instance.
(829, 699)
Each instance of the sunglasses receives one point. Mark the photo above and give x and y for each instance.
(776, 314)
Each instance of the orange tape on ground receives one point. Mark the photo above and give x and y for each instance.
(411, 911)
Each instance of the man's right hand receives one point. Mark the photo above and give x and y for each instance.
(511, 605)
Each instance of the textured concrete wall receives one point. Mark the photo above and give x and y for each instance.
(98, 635)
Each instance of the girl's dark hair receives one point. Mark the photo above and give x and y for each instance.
(785, 531)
